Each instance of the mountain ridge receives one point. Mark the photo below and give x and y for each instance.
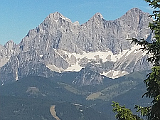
(59, 45)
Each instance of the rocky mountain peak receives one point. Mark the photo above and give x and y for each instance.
(56, 16)
(98, 16)
(76, 23)
(135, 13)
(135, 10)
(10, 44)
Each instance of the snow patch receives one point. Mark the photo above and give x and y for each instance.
(114, 74)
(41, 56)
(54, 68)
(103, 57)
(106, 55)
(98, 57)
(56, 21)
(76, 67)
(92, 55)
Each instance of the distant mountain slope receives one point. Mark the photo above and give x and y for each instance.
(39, 87)
(15, 108)
(33, 96)
(59, 45)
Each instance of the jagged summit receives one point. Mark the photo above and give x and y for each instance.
(134, 12)
(9, 42)
(76, 23)
(57, 16)
(10, 45)
(137, 10)
(97, 16)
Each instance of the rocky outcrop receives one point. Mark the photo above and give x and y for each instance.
(59, 45)
(6, 52)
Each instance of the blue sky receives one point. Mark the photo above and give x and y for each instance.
(17, 17)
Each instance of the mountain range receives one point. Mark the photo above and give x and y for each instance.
(57, 45)
(63, 66)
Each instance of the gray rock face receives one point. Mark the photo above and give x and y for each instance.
(59, 45)
(6, 52)
(99, 34)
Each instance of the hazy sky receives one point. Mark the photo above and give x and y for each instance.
(17, 17)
